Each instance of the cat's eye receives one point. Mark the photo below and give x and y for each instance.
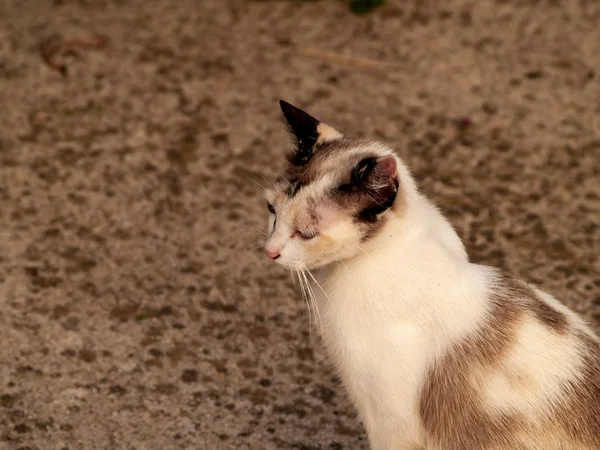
(270, 208)
(306, 234)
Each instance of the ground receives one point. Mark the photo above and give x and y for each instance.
(137, 310)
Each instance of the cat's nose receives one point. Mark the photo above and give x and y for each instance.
(273, 254)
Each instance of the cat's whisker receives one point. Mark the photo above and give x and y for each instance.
(253, 247)
(324, 293)
(313, 300)
(264, 233)
(267, 179)
(361, 249)
(304, 297)
(305, 293)
(252, 179)
(316, 308)
(313, 304)
(343, 263)
(256, 224)
(309, 301)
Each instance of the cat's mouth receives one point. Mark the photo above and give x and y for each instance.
(284, 262)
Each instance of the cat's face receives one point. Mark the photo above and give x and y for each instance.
(333, 195)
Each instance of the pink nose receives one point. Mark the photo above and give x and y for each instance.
(273, 254)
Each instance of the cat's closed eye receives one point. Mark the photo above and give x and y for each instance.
(270, 208)
(306, 234)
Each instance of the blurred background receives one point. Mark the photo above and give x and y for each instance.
(137, 310)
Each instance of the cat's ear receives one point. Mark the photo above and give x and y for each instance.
(306, 131)
(378, 177)
(302, 125)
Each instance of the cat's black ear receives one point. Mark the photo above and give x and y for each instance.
(304, 129)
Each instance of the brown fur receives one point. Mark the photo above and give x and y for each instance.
(542, 311)
(580, 417)
(371, 229)
(547, 315)
(452, 409)
(322, 152)
(328, 158)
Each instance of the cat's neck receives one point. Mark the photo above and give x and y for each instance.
(414, 222)
(416, 246)
(414, 271)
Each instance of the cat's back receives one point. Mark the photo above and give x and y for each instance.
(528, 378)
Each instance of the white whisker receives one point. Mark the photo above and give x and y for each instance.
(343, 263)
(324, 293)
(253, 180)
(267, 179)
(253, 247)
(361, 249)
(304, 296)
(313, 301)
(264, 233)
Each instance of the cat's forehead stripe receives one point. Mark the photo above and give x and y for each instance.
(293, 188)
(335, 158)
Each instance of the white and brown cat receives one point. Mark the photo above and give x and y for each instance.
(436, 352)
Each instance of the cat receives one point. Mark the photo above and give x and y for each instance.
(435, 352)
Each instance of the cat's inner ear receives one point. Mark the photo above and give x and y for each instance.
(372, 173)
(385, 171)
(381, 181)
(307, 132)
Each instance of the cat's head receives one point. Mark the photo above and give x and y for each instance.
(334, 194)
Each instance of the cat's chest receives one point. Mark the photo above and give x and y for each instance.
(393, 354)
(380, 355)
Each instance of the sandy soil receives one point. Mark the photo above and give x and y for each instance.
(136, 311)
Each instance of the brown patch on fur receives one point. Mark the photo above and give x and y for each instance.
(548, 316)
(372, 230)
(580, 416)
(452, 408)
(542, 311)
(318, 164)
(337, 147)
